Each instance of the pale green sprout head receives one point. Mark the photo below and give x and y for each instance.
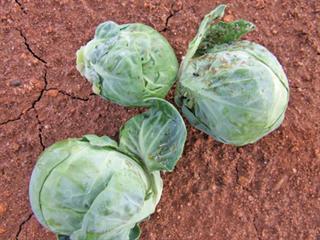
(235, 91)
(128, 63)
(91, 188)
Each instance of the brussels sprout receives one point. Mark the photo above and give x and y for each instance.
(93, 189)
(87, 189)
(235, 91)
(128, 63)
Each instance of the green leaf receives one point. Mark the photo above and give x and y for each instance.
(223, 32)
(103, 141)
(62, 237)
(48, 160)
(107, 29)
(119, 207)
(217, 13)
(135, 233)
(155, 137)
(211, 33)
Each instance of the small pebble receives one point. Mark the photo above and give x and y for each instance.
(53, 93)
(228, 18)
(240, 150)
(37, 83)
(23, 56)
(2, 230)
(3, 209)
(243, 181)
(280, 183)
(15, 83)
(15, 147)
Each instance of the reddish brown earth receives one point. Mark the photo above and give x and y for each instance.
(269, 190)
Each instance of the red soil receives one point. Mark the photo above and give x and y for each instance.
(269, 190)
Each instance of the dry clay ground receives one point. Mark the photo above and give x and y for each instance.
(269, 190)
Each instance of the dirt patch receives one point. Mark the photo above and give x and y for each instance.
(269, 190)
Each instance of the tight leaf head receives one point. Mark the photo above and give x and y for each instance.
(88, 189)
(235, 91)
(128, 63)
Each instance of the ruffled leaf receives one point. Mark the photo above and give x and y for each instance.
(223, 32)
(103, 141)
(156, 137)
(212, 33)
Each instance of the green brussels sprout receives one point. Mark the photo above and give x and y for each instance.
(128, 63)
(87, 189)
(94, 189)
(235, 91)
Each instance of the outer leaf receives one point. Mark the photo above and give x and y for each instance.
(117, 209)
(53, 157)
(218, 12)
(156, 137)
(223, 32)
(103, 141)
(135, 233)
(49, 159)
(211, 33)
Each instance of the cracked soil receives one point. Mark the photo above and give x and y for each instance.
(269, 190)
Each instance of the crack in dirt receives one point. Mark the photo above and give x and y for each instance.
(33, 107)
(22, 224)
(21, 6)
(40, 131)
(32, 104)
(13, 119)
(44, 89)
(38, 99)
(70, 95)
(29, 48)
(172, 14)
